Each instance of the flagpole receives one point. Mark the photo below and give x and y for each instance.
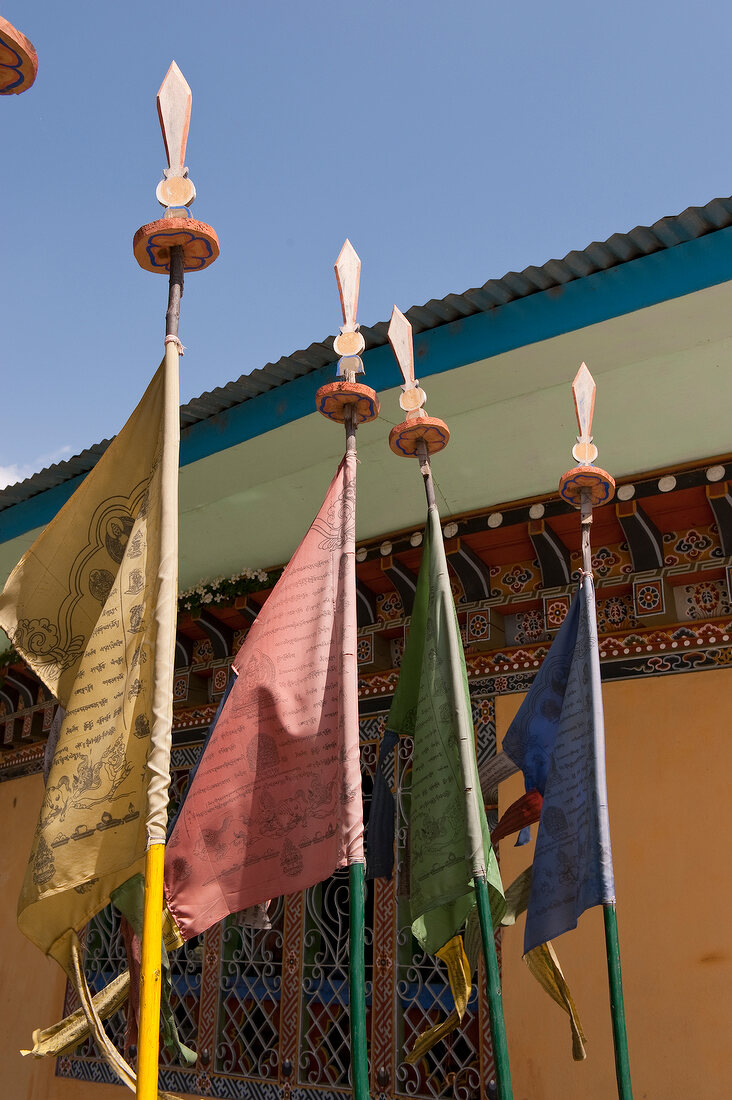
(585, 486)
(349, 402)
(419, 436)
(475, 842)
(173, 244)
(357, 911)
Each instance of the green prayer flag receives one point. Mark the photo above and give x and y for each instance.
(432, 704)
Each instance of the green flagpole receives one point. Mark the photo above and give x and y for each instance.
(475, 844)
(357, 980)
(348, 402)
(584, 486)
(357, 916)
(419, 436)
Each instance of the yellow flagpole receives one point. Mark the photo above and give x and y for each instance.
(174, 243)
(159, 760)
(150, 975)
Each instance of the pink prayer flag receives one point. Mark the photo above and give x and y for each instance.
(275, 805)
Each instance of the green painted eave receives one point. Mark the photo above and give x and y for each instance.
(663, 376)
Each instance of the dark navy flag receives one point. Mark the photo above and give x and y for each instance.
(381, 826)
(558, 740)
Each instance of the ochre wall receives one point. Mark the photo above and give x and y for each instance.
(669, 761)
(669, 756)
(31, 986)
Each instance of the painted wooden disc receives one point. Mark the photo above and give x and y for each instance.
(599, 482)
(152, 244)
(349, 343)
(175, 191)
(403, 439)
(333, 399)
(18, 61)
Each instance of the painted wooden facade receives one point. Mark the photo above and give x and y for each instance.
(267, 1009)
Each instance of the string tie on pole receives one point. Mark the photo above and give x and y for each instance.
(174, 340)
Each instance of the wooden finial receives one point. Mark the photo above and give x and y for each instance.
(335, 399)
(18, 60)
(585, 477)
(405, 438)
(152, 243)
(174, 111)
(583, 391)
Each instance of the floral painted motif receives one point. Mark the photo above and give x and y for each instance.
(555, 611)
(529, 627)
(478, 626)
(648, 597)
(615, 612)
(706, 600)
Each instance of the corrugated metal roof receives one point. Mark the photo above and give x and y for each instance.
(621, 248)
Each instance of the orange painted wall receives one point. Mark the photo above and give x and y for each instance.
(31, 986)
(669, 762)
(669, 754)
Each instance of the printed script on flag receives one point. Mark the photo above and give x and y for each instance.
(81, 608)
(275, 804)
(432, 705)
(560, 724)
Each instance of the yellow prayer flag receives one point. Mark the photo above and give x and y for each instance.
(91, 607)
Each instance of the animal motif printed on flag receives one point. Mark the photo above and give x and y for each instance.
(275, 804)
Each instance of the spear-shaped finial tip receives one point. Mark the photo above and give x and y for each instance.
(349, 343)
(400, 338)
(348, 276)
(583, 391)
(348, 401)
(585, 478)
(174, 111)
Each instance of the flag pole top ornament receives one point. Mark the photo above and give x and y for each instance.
(405, 438)
(152, 243)
(335, 399)
(585, 477)
(18, 60)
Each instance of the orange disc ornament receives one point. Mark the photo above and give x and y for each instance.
(18, 60)
(599, 482)
(403, 438)
(334, 398)
(152, 244)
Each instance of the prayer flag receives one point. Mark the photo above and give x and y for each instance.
(432, 705)
(275, 805)
(380, 840)
(558, 740)
(91, 607)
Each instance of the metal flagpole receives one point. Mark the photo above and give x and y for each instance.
(586, 486)
(420, 436)
(173, 244)
(349, 402)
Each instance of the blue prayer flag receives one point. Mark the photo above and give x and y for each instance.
(558, 740)
(381, 824)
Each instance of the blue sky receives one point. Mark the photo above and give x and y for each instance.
(451, 142)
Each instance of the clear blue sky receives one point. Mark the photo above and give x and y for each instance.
(452, 142)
